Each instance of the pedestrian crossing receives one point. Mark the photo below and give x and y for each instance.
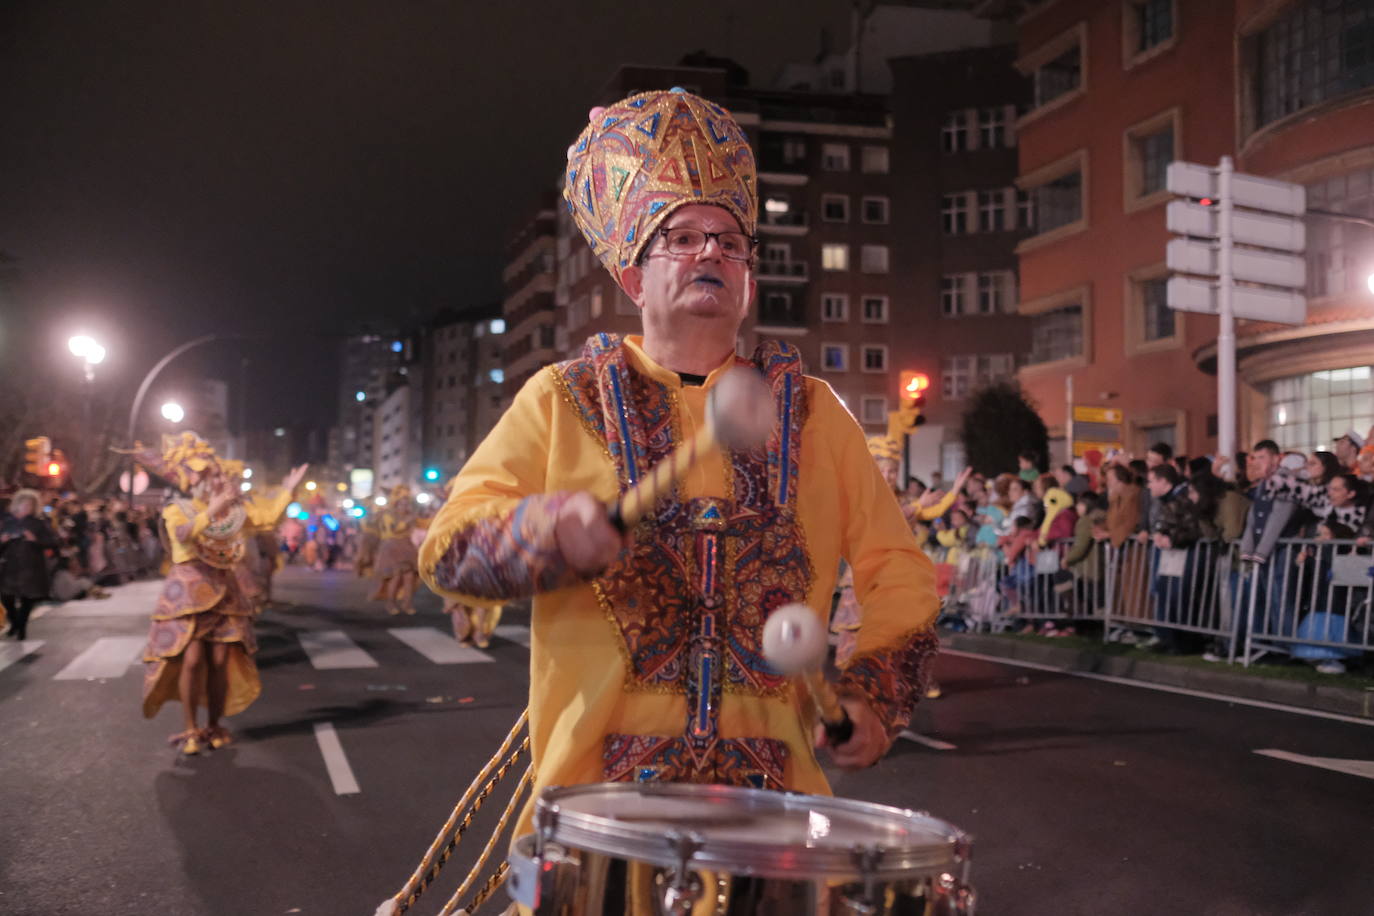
(109, 657)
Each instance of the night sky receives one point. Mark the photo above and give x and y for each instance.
(169, 169)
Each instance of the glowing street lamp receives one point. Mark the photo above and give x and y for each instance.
(310, 485)
(86, 348)
(172, 412)
(380, 500)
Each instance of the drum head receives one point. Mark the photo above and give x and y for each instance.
(749, 831)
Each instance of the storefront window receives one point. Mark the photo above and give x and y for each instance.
(1306, 412)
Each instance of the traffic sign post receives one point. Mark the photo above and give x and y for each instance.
(1235, 263)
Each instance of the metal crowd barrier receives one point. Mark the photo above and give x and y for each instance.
(1311, 599)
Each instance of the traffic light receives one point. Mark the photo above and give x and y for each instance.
(38, 455)
(57, 465)
(432, 474)
(911, 396)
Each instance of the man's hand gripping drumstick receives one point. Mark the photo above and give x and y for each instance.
(794, 645)
(740, 415)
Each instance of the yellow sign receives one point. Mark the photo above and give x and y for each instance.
(1096, 415)
(1081, 448)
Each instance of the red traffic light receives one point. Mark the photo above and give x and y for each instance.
(914, 384)
(54, 469)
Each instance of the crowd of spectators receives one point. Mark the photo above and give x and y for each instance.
(59, 548)
(1049, 533)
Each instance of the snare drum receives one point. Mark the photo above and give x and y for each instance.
(665, 849)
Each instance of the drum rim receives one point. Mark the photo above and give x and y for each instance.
(611, 837)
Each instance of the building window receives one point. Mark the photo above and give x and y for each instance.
(1307, 411)
(835, 208)
(1340, 255)
(1058, 76)
(1158, 317)
(874, 160)
(875, 210)
(953, 294)
(1025, 210)
(874, 357)
(834, 256)
(992, 211)
(996, 292)
(873, 409)
(992, 127)
(1057, 193)
(960, 376)
(596, 302)
(875, 310)
(778, 309)
(834, 357)
(1147, 24)
(954, 134)
(954, 211)
(775, 303)
(1057, 334)
(835, 157)
(1150, 146)
(834, 307)
(1317, 50)
(873, 259)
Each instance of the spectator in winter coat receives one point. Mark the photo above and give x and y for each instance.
(25, 539)
(1123, 504)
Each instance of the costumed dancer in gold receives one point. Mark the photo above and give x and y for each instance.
(366, 557)
(262, 555)
(397, 556)
(663, 187)
(201, 641)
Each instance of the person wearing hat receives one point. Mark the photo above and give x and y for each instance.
(664, 189)
(201, 641)
(1347, 447)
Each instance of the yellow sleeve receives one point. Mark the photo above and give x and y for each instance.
(266, 513)
(493, 540)
(930, 513)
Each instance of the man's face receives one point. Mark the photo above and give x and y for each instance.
(1346, 451)
(1062, 476)
(1159, 487)
(1153, 459)
(1339, 494)
(673, 291)
(1262, 463)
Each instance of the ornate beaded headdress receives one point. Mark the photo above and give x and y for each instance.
(645, 156)
(884, 448)
(179, 457)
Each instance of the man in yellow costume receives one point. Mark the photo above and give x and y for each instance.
(646, 663)
(201, 642)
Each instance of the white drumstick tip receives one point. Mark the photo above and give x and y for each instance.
(742, 411)
(793, 640)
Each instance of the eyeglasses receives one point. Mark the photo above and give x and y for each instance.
(681, 241)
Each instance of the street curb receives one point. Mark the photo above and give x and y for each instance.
(1343, 700)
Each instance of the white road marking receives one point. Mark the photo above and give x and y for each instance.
(136, 599)
(1164, 688)
(935, 743)
(438, 647)
(333, 649)
(335, 761)
(514, 632)
(11, 652)
(1363, 768)
(108, 656)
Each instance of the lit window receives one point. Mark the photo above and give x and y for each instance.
(874, 160)
(396, 346)
(835, 157)
(834, 357)
(834, 256)
(497, 326)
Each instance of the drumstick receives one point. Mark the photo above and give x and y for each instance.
(739, 414)
(794, 645)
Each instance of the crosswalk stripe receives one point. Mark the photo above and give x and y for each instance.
(108, 656)
(335, 761)
(514, 632)
(1363, 768)
(11, 652)
(437, 646)
(927, 741)
(333, 649)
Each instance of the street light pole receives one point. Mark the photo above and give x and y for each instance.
(143, 391)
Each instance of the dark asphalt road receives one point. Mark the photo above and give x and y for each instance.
(1085, 797)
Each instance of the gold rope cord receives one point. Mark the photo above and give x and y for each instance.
(488, 889)
(480, 865)
(449, 836)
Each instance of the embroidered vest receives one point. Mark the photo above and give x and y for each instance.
(689, 601)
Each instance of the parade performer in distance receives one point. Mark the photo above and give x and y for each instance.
(262, 555)
(397, 556)
(663, 187)
(201, 642)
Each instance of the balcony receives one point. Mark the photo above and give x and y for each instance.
(790, 272)
(780, 313)
(779, 169)
(792, 222)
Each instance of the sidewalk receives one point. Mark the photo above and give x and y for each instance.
(1287, 685)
